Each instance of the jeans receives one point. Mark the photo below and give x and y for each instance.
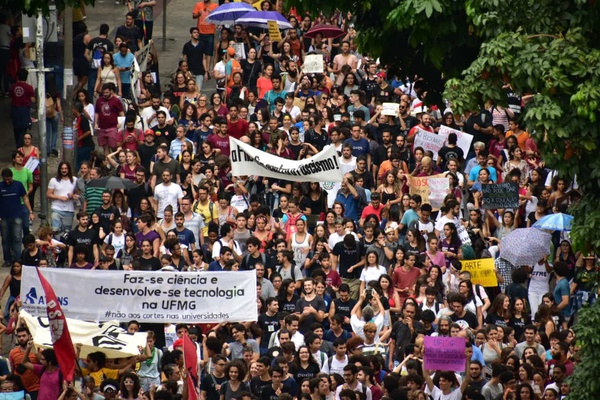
(12, 229)
(52, 132)
(62, 221)
(199, 81)
(92, 76)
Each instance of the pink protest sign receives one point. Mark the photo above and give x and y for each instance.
(445, 353)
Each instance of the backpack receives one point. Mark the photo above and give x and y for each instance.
(293, 272)
(263, 258)
(477, 292)
(97, 55)
(211, 207)
(290, 224)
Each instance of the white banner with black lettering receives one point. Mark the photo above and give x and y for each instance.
(189, 297)
(323, 166)
(108, 337)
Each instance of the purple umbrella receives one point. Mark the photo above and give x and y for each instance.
(260, 19)
(229, 13)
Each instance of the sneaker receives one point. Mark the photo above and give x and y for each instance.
(54, 153)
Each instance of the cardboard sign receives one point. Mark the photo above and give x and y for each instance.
(445, 353)
(313, 64)
(438, 190)
(240, 51)
(500, 195)
(482, 271)
(274, 33)
(421, 186)
(429, 141)
(390, 109)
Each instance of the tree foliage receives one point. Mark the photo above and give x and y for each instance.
(31, 7)
(549, 49)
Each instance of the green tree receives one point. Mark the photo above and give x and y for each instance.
(30, 7)
(549, 49)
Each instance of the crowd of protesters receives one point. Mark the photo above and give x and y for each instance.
(351, 276)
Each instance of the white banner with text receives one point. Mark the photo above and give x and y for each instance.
(323, 166)
(107, 337)
(189, 297)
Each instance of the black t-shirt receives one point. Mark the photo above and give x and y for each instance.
(32, 260)
(468, 319)
(102, 44)
(318, 304)
(257, 385)
(367, 177)
(410, 123)
(105, 216)
(484, 120)
(303, 373)
(345, 309)
(208, 385)
(135, 196)
(146, 153)
(289, 306)
(194, 57)
(268, 393)
(148, 264)
(268, 326)
(83, 127)
(87, 238)
(160, 167)
(164, 135)
(347, 258)
(451, 153)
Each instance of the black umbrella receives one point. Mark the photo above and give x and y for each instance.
(112, 183)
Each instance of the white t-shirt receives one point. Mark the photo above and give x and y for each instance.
(539, 281)
(64, 187)
(439, 225)
(167, 195)
(149, 111)
(347, 165)
(369, 274)
(118, 242)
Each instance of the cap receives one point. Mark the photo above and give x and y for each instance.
(231, 51)
(148, 132)
(589, 256)
(382, 75)
(178, 343)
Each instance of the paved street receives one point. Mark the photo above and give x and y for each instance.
(179, 20)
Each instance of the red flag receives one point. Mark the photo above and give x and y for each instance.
(61, 338)
(190, 357)
(192, 394)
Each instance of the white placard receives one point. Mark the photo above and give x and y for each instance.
(323, 166)
(464, 139)
(240, 51)
(32, 163)
(189, 297)
(438, 190)
(390, 109)
(429, 141)
(313, 64)
(109, 337)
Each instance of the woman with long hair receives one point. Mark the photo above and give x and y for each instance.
(451, 243)
(217, 104)
(414, 243)
(499, 313)
(516, 161)
(544, 319)
(264, 84)
(235, 371)
(566, 254)
(520, 317)
(492, 348)
(108, 73)
(472, 304)
(305, 365)
(437, 257)
(132, 161)
(130, 386)
(190, 95)
(349, 84)
(372, 270)
(435, 278)
(287, 296)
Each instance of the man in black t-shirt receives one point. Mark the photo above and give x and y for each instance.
(84, 236)
(107, 212)
(464, 318)
(210, 385)
(349, 258)
(268, 323)
(311, 307)
(343, 305)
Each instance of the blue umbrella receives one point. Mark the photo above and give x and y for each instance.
(260, 19)
(555, 222)
(229, 13)
(525, 246)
